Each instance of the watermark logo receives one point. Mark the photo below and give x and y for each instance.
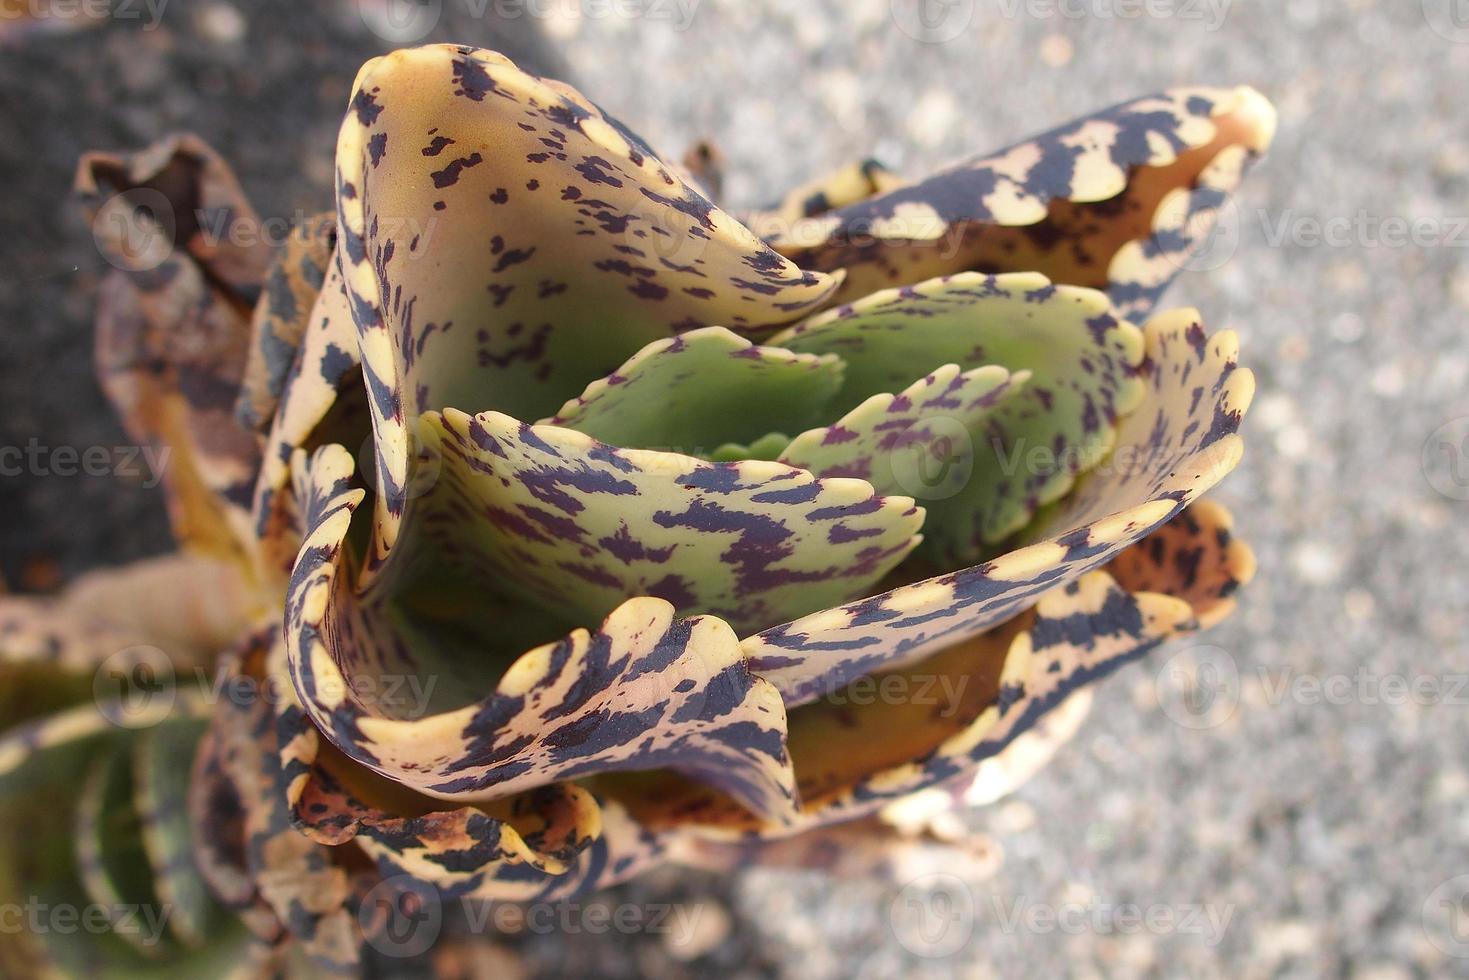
(401, 696)
(1363, 229)
(402, 917)
(932, 21)
(134, 688)
(1215, 232)
(1445, 917)
(425, 466)
(662, 237)
(934, 460)
(943, 693)
(933, 916)
(1449, 19)
(135, 230)
(1199, 687)
(400, 21)
(677, 921)
(1445, 459)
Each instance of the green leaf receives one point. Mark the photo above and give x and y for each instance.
(38, 870)
(768, 446)
(111, 858)
(918, 441)
(699, 391)
(1028, 449)
(163, 759)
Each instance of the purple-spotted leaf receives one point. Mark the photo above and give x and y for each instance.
(918, 441)
(981, 694)
(933, 723)
(1095, 203)
(505, 244)
(1027, 450)
(296, 879)
(292, 285)
(461, 849)
(1180, 441)
(334, 799)
(1196, 557)
(704, 390)
(543, 657)
(644, 690)
(842, 188)
(322, 400)
(576, 526)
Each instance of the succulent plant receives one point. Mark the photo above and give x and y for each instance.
(540, 520)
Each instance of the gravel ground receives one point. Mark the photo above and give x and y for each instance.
(1308, 821)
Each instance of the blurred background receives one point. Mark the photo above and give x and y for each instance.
(1288, 800)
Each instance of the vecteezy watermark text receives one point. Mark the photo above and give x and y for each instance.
(1202, 686)
(137, 686)
(934, 916)
(403, 916)
(408, 21)
(41, 918)
(150, 12)
(147, 463)
(1211, 13)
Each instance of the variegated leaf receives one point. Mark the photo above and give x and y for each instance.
(292, 285)
(1180, 441)
(645, 690)
(842, 188)
(334, 799)
(1096, 202)
(323, 400)
(576, 526)
(1024, 452)
(300, 881)
(38, 866)
(506, 243)
(933, 723)
(1196, 557)
(82, 825)
(173, 324)
(110, 856)
(217, 813)
(917, 440)
(162, 760)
